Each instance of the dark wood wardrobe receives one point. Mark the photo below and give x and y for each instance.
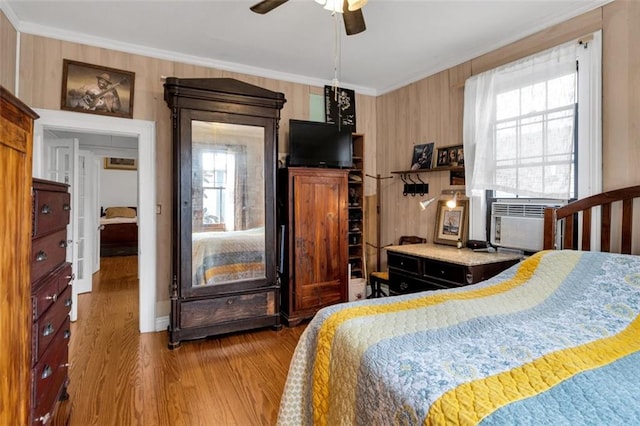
(225, 136)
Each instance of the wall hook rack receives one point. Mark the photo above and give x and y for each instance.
(411, 187)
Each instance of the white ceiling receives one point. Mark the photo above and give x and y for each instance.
(405, 40)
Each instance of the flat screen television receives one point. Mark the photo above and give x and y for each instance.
(317, 144)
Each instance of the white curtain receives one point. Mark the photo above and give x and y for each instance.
(518, 126)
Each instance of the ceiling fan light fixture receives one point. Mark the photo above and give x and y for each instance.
(356, 4)
(331, 5)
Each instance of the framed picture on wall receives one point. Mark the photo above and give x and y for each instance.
(97, 90)
(451, 223)
(340, 106)
(120, 163)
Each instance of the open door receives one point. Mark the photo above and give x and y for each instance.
(65, 164)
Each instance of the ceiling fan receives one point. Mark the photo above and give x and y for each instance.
(351, 11)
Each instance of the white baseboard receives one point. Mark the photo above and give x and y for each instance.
(162, 323)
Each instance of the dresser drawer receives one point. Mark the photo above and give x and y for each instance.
(408, 264)
(51, 211)
(227, 308)
(445, 271)
(47, 326)
(400, 283)
(48, 377)
(48, 289)
(47, 252)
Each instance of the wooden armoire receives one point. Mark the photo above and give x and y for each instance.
(225, 135)
(16, 133)
(313, 213)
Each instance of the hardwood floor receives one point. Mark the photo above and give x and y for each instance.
(121, 377)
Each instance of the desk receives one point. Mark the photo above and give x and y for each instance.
(419, 267)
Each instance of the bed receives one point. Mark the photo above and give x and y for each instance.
(554, 339)
(221, 257)
(118, 231)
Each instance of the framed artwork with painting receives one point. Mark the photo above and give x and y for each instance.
(95, 89)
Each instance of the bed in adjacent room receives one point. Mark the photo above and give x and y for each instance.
(118, 231)
(554, 339)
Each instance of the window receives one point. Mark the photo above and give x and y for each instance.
(521, 122)
(218, 171)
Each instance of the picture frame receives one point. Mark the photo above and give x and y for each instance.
(96, 89)
(451, 223)
(340, 108)
(422, 157)
(115, 163)
(450, 156)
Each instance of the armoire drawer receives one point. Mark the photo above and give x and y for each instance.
(51, 211)
(49, 375)
(48, 325)
(47, 253)
(227, 308)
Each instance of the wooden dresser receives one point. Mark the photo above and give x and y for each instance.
(313, 208)
(51, 280)
(419, 267)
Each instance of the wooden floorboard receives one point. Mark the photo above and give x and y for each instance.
(121, 377)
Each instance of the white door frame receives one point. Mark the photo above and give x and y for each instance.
(145, 131)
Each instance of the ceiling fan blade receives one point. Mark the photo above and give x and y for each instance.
(353, 20)
(266, 6)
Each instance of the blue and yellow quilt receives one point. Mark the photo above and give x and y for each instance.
(552, 340)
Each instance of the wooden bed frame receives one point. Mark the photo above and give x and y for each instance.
(119, 239)
(569, 214)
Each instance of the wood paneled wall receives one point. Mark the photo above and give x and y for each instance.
(8, 43)
(40, 87)
(431, 110)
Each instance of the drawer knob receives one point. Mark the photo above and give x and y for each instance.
(230, 302)
(54, 298)
(404, 285)
(65, 365)
(68, 302)
(46, 372)
(41, 256)
(46, 209)
(48, 330)
(66, 207)
(67, 334)
(63, 244)
(469, 278)
(44, 419)
(71, 277)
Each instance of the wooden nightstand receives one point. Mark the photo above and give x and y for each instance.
(419, 267)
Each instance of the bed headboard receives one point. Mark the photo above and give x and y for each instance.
(568, 214)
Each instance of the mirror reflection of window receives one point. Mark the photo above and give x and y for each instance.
(228, 203)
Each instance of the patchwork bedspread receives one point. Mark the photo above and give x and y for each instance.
(553, 340)
(219, 257)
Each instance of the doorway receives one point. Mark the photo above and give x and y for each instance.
(144, 131)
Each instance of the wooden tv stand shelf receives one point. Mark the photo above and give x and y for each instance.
(419, 267)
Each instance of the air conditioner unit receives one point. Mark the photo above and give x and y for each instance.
(519, 224)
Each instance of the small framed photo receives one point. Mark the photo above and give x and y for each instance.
(120, 163)
(422, 157)
(97, 90)
(451, 223)
(451, 156)
(443, 157)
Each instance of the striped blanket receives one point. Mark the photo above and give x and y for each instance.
(553, 340)
(220, 257)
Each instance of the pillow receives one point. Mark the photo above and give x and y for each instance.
(112, 212)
